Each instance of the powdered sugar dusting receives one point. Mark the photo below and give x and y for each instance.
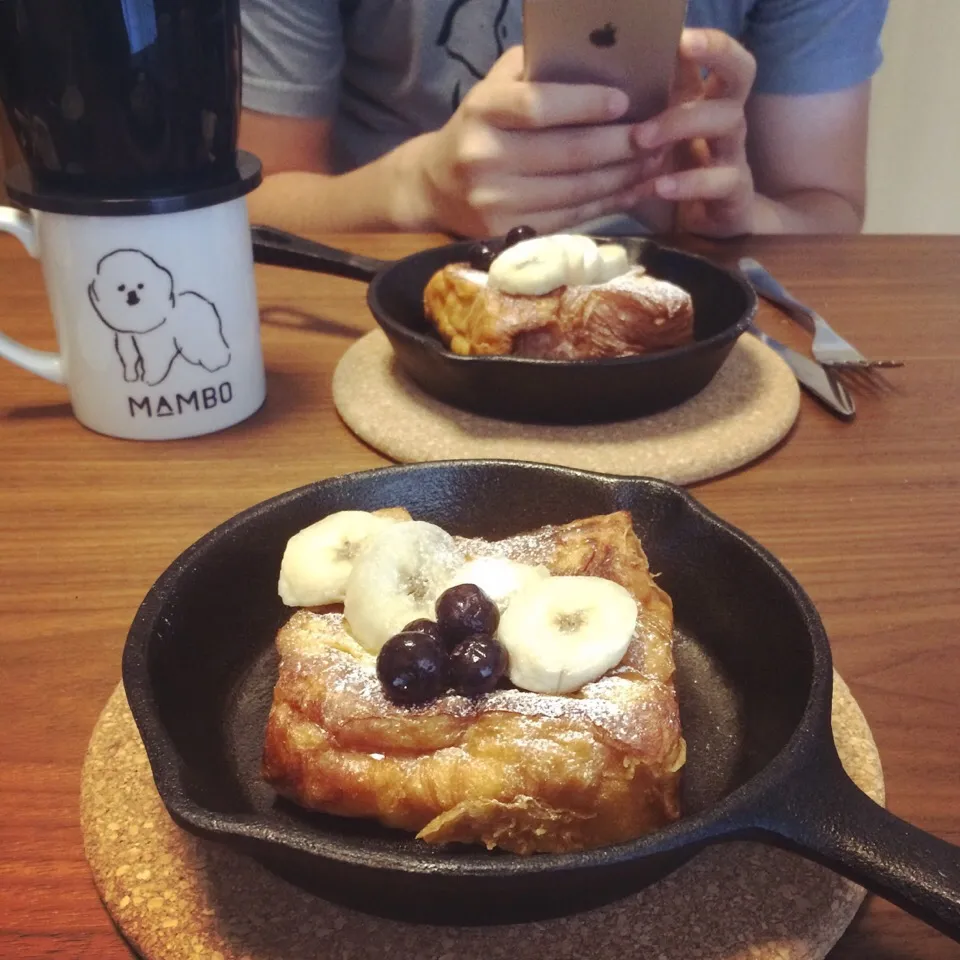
(532, 548)
(628, 710)
(640, 283)
(625, 708)
(479, 277)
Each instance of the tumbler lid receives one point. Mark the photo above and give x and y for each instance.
(27, 191)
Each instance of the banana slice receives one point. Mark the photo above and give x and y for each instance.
(583, 258)
(563, 632)
(317, 561)
(530, 268)
(397, 578)
(498, 577)
(613, 262)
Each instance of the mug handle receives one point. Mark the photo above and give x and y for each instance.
(40, 362)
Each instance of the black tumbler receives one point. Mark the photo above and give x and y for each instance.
(119, 95)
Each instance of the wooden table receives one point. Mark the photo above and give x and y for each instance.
(866, 515)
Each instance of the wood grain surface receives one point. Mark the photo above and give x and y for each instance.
(866, 515)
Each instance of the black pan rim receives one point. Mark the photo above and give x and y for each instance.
(730, 817)
(432, 342)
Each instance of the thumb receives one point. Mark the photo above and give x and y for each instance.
(509, 66)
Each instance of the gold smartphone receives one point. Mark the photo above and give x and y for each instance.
(628, 44)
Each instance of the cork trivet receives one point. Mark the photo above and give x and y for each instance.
(176, 897)
(746, 410)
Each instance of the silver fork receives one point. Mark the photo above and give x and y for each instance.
(829, 348)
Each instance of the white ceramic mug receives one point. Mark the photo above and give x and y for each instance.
(156, 318)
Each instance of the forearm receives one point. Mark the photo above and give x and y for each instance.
(385, 195)
(806, 211)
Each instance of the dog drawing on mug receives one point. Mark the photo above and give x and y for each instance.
(152, 323)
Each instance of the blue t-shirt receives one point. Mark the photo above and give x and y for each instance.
(386, 71)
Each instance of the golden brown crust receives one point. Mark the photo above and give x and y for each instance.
(392, 513)
(523, 771)
(629, 315)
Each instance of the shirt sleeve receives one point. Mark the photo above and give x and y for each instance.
(814, 46)
(292, 56)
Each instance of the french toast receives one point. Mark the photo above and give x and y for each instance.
(630, 314)
(523, 771)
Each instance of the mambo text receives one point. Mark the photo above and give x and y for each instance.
(196, 400)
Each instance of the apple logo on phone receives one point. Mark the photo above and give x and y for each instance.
(605, 36)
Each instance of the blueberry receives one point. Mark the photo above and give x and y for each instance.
(517, 234)
(465, 610)
(476, 665)
(480, 256)
(424, 626)
(412, 668)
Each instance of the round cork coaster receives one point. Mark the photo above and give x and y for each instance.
(747, 409)
(176, 897)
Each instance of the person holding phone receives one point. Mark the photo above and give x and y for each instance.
(374, 115)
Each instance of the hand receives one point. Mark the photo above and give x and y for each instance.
(541, 154)
(716, 198)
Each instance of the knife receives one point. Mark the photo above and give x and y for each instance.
(827, 389)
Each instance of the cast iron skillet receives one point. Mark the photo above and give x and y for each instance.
(545, 391)
(754, 681)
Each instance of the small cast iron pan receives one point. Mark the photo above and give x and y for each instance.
(537, 391)
(754, 683)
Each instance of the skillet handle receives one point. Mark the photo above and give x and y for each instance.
(826, 817)
(288, 250)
